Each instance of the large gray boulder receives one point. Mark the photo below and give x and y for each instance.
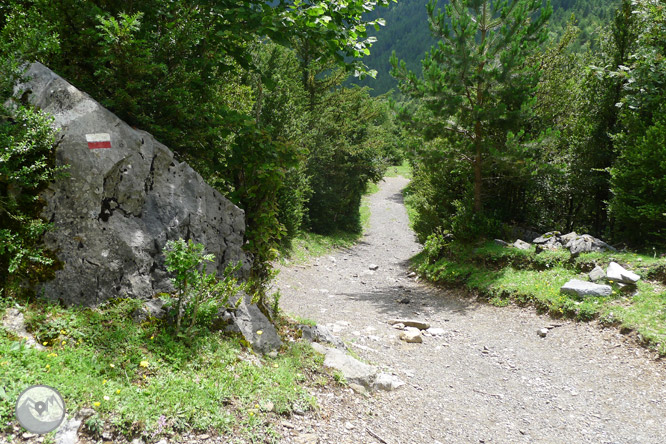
(617, 273)
(125, 197)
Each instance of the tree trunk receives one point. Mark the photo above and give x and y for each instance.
(478, 204)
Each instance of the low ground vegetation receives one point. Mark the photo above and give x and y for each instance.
(143, 381)
(504, 275)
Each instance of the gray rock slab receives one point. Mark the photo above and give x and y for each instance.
(387, 382)
(586, 244)
(320, 333)
(351, 368)
(522, 245)
(421, 325)
(254, 326)
(597, 274)
(68, 431)
(618, 273)
(501, 242)
(584, 288)
(551, 236)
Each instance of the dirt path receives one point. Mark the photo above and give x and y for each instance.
(489, 379)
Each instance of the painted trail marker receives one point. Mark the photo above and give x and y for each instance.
(98, 140)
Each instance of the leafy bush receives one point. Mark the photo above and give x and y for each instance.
(200, 294)
(26, 167)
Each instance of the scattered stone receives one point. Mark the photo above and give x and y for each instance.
(411, 335)
(349, 425)
(597, 274)
(273, 354)
(501, 243)
(373, 267)
(399, 326)
(435, 331)
(583, 288)
(542, 332)
(404, 301)
(548, 237)
(28, 435)
(203, 437)
(254, 326)
(585, 244)
(14, 322)
(351, 368)
(412, 274)
(306, 438)
(319, 333)
(617, 273)
(357, 388)
(153, 308)
(522, 245)
(421, 325)
(387, 382)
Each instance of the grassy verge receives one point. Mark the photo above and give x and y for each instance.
(142, 382)
(404, 170)
(508, 275)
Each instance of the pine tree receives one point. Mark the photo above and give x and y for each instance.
(476, 80)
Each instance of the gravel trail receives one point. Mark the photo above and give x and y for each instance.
(488, 379)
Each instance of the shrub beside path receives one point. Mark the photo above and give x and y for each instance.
(488, 378)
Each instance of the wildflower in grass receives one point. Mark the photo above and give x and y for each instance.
(143, 363)
(97, 404)
(152, 337)
(260, 332)
(106, 398)
(275, 365)
(118, 392)
(64, 342)
(52, 355)
(112, 365)
(104, 382)
(48, 366)
(45, 343)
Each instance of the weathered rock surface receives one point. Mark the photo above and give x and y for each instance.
(618, 273)
(421, 325)
(411, 335)
(125, 196)
(120, 205)
(586, 244)
(320, 333)
(351, 368)
(522, 245)
(597, 274)
(14, 322)
(584, 288)
(68, 431)
(387, 382)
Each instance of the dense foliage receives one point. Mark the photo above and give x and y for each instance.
(582, 150)
(236, 88)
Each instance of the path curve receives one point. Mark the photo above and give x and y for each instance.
(489, 379)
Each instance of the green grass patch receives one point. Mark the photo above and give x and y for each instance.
(144, 382)
(404, 170)
(504, 275)
(306, 246)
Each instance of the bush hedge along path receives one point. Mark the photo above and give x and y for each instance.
(489, 377)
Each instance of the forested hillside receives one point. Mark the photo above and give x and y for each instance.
(408, 34)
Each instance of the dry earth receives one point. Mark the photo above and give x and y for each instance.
(488, 379)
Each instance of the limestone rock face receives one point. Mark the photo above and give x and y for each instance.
(125, 197)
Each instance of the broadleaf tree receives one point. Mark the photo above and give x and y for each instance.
(476, 80)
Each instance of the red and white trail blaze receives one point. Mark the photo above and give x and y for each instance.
(98, 140)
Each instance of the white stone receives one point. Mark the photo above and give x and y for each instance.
(617, 273)
(411, 335)
(387, 382)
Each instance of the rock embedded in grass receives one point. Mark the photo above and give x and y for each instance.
(580, 288)
(597, 274)
(522, 245)
(617, 273)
